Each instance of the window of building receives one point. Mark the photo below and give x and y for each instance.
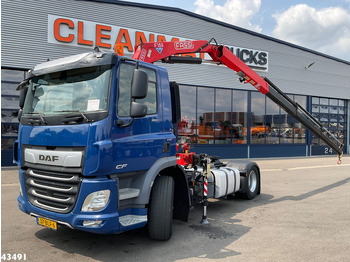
(223, 117)
(299, 130)
(9, 88)
(331, 114)
(239, 116)
(10, 75)
(273, 123)
(286, 127)
(341, 124)
(9, 115)
(9, 107)
(257, 129)
(187, 128)
(213, 116)
(207, 128)
(9, 130)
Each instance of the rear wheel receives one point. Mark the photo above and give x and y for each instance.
(160, 214)
(251, 184)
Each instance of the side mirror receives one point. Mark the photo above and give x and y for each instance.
(20, 112)
(138, 110)
(139, 84)
(22, 96)
(139, 88)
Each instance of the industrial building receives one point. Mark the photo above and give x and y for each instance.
(220, 115)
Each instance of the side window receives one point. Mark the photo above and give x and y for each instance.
(124, 90)
(151, 99)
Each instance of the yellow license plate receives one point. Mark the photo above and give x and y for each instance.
(46, 223)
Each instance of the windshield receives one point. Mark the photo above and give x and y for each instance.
(78, 90)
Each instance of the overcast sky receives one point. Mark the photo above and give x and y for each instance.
(322, 25)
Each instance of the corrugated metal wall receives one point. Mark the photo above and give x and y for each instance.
(24, 44)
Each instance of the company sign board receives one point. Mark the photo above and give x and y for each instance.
(83, 33)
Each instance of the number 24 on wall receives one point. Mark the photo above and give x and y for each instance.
(328, 150)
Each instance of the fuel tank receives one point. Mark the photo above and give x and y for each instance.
(226, 181)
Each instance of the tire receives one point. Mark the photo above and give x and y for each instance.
(251, 184)
(160, 213)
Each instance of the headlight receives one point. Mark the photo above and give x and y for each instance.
(96, 201)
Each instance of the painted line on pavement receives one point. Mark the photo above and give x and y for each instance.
(301, 167)
(271, 170)
(311, 167)
(13, 184)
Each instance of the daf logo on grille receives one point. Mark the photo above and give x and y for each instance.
(48, 158)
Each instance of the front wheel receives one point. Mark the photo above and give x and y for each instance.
(251, 184)
(160, 214)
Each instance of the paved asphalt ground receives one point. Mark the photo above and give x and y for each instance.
(302, 214)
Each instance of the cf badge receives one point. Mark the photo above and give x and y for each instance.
(121, 166)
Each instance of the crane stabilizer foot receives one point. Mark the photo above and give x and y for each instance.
(205, 221)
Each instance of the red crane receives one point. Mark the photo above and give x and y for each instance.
(167, 52)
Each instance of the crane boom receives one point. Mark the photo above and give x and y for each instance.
(166, 51)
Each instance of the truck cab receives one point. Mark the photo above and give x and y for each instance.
(95, 132)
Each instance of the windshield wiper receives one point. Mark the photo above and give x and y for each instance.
(36, 120)
(74, 111)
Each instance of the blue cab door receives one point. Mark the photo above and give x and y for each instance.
(139, 145)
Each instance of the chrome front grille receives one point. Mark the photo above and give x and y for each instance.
(53, 191)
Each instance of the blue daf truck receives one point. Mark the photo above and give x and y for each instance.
(97, 148)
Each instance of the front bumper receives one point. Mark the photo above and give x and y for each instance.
(109, 215)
